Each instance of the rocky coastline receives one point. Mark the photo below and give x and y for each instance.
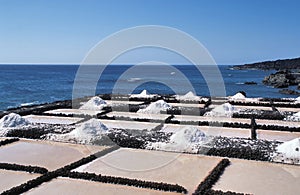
(288, 74)
(285, 64)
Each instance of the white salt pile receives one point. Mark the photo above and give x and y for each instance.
(86, 133)
(143, 94)
(13, 120)
(290, 149)
(155, 107)
(90, 129)
(288, 152)
(95, 103)
(238, 96)
(187, 139)
(225, 109)
(295, 117)
(297, 100)
(190, 96)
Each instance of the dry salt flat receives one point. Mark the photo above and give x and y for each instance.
(73, 111)
(187, 105)
(134, 125)
(253, 107)
(276, 135)
(233, 120)
(210, 119)
(134, 115)
(174, 168)
(119, 102)
(77, 186)
(288, 109)
(52, 119)
(10, 178)
(259, 178)
(212, 131)
(236, 132)
(51, 155)
(267, 108)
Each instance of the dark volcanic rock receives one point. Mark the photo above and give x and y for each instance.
(272, 65)
(281, 79)
(281, 85)
(250, 83)
(289, 92)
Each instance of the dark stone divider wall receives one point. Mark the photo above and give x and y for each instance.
(38, 109)
(241, 153)
(206, 123)
(126, 181)
(30, 169)
(8, 141)
(219, 192)
(205, 186)
(53, 174)
(276, 104)
(276, 100)
(266, 115)
(66, 172)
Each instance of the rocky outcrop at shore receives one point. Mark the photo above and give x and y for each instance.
(272, 65)
(289, 92)
(250, 83)
(282, 79)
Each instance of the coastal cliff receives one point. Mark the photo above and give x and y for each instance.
(288, 73)
(286, 64)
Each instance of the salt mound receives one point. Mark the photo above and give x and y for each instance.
(86, 133)
(297, 100)
(290, 149)
(155, 107)
(295, 117)
(222, 110)
(13, 120)
(187, 139)
(238, 96)
(95, 103)
(188, 135)
(189, 96)
(90, 129)
(143, 94)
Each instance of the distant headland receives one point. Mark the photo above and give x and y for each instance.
(287, 73)
(282, 64)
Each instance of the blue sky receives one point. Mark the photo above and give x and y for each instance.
(63, 31)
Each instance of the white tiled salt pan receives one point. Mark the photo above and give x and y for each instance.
(63, 185)
(259, 178)
(11, 179)
(174, 168)
(116, 102)
(74, 111)
(52, 119)
(120, 124)
(51, 155)
(139, 115)
(237, 132)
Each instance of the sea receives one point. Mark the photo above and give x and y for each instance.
(35, 84)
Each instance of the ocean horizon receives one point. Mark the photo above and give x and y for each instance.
(25, 84)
